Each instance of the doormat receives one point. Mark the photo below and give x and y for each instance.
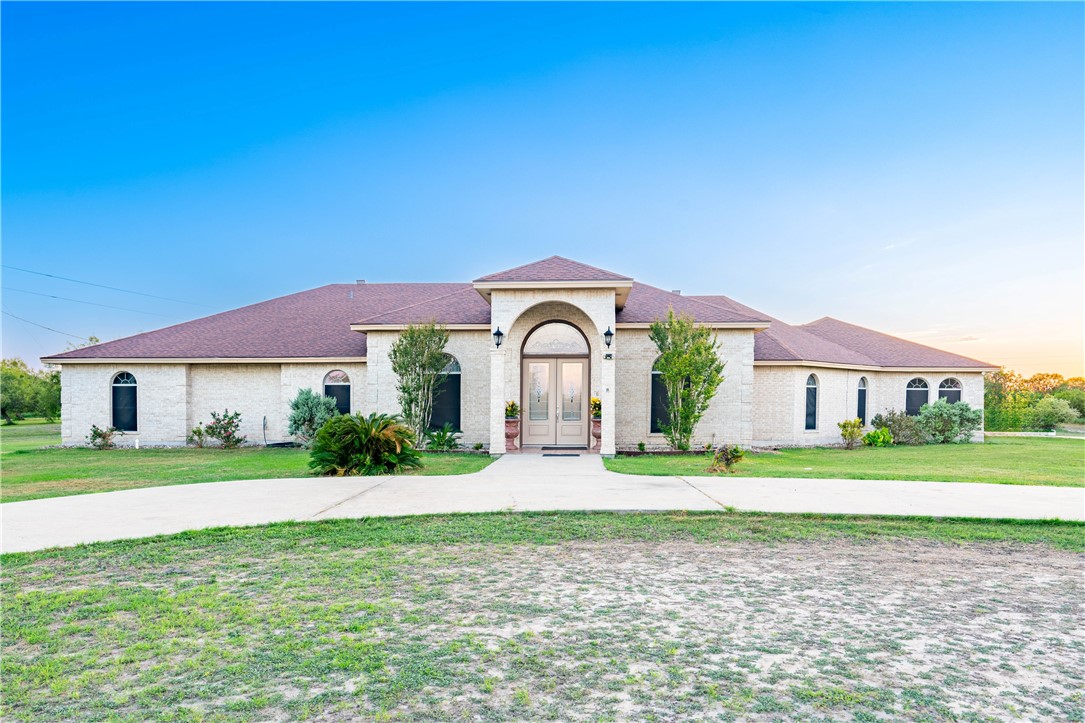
(552, 454)
(561, 449)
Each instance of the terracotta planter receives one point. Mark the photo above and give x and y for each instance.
(597, 431)
(512, 431)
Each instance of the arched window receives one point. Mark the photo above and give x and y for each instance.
(860, 410)
(915, 396)
(446, 398)
(811, 402)
(659, 402)
(337, 386)
(556, 339)
(124, 402)
(950, 390)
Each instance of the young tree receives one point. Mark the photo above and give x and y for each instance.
(18, 387)
(691, 371)
(419, 360)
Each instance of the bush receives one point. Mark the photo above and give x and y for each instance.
(197, 437)
(946, 423)
(224, 429)
(478, 446)
(1074, 397)
(1050, 412)
(851, 431)
(443, 438)
(904, 429)
(308, 413)
(725, 458)
(102, 438)
(878, 438)
(641, 446)
(352, 444)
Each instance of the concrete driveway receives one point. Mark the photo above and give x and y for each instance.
(514, 482)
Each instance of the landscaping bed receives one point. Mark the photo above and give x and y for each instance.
(554, 617)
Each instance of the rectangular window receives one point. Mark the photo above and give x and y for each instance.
(572, 396)
(914, 401)
(861, 411)
(538, 391)
(341, 394)
(659, 405)
(811, 408)
(446, 404)
(124, 408)
(950, 395)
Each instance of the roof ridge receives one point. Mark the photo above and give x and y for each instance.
(417, 303)
(813, 330)
(694, 299)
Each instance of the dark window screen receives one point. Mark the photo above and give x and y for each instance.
(446, 404)
(950, 395)
(861, 410)
(914, 401)
(659, 404)
(811, 407)
(341, 394)
(124, 408)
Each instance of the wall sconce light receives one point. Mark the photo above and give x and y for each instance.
(499, 336)
(608, 336)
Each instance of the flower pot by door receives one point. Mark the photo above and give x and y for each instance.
(597, 431)
(512, 431)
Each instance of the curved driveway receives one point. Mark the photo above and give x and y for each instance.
(514, 482)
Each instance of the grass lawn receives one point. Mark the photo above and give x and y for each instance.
(559, 616)
(27, 472)
(1001, 460)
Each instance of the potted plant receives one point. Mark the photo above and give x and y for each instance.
(512, 424)
(596, 406)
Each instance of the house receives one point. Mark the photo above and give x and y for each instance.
(785, 385)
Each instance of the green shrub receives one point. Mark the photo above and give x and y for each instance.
(903, 428)
(946, 423)
(443, 438)
(851, 431)
(308, 413)
(352, 444)
(478, 446)
(198, 436)
(641, 446)
(881, 437)
(1050, 412)
(725, 458)
(1074, 397)
(223, 427)
(102, 438)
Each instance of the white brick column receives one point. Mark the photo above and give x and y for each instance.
(497, 401)
(607, 397)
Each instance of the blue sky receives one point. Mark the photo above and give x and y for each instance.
(914, 168)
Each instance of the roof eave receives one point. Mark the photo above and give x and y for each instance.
(400, 326)
(621, 287)
(206, 360)
(869, 367)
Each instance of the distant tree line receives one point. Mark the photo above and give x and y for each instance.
(1041, 402)
(26, 392)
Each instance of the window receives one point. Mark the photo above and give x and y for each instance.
(446, 398)
(811, 402)
(337, 386)
(950, 390)
(915, 396)
(124, 402)
(860, 410)
(556, 339)
(659, 403)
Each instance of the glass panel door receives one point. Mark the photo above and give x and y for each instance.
(572, 391)
(538, 391)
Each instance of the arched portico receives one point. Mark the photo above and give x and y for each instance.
(517, 313)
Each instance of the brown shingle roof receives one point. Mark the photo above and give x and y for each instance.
(555, 268)
(647, 304)
(886, 350)
(460, 306)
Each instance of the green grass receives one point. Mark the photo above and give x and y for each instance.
(31, 473)
(1001, 460)
(550, 616)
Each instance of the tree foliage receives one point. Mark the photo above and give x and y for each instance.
(945, 423)
(26, 392)
(419, 360)
(308, 413)
(1009, 399)
(1049, 412)
(691, 372)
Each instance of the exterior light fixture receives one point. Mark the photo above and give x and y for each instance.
(608, 336)
(499, 336)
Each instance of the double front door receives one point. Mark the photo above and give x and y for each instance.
(555, 402)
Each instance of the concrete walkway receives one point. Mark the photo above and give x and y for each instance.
(514, 482)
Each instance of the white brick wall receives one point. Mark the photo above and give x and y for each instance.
(161, 393)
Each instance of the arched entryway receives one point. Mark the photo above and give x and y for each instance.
(554, 381)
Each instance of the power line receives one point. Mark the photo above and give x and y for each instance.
(90, 303)
(55, 331)
(103, 286)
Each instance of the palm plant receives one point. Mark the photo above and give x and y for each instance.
(355, 445)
